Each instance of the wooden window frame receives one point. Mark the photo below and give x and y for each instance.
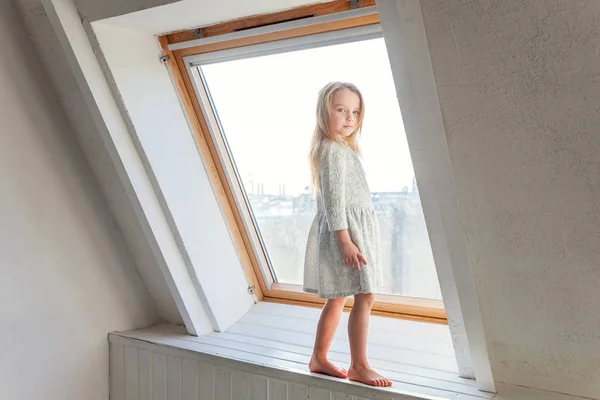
(219, 168)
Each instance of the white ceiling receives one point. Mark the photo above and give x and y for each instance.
(188, 14)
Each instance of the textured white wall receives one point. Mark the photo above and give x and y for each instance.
(519, 89)
(66, 278)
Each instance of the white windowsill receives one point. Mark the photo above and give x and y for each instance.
(276, 340)
(418, 357)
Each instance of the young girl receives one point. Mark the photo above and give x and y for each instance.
(342, 255)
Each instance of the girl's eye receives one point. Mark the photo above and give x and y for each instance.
(356, 112)
(341, 110)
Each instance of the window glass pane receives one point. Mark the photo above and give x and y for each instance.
(267, 109)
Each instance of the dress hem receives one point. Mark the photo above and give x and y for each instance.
(337, 295)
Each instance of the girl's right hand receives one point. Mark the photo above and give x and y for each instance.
(351, 255)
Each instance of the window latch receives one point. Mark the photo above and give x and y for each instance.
(354, 4)
(197, 33)
(251, 289)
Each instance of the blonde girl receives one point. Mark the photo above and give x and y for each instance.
(343, 251)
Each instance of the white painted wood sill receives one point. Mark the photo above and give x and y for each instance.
(264, 356)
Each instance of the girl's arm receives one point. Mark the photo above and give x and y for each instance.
(333, 187)
(343, 236)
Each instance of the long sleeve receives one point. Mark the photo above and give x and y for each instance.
(333, 192)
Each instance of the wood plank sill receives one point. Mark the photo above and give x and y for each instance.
(264, 356)
(271, 346)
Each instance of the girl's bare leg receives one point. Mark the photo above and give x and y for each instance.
(328, 323)
(358, 326)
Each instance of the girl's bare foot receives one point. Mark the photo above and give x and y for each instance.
(364, 374)
(327, 368)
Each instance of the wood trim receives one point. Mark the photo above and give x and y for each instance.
(214, 168)
(254, 21)
(348, 308)
(385, 305)
(281, 35)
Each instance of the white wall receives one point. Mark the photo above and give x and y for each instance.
(132, 173)
(95, 10)
(159, 126)
(71, 98)
(67, 279)
(520, 99)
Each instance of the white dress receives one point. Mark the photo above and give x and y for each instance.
(343, 202)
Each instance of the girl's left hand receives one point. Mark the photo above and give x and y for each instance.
(352, 255)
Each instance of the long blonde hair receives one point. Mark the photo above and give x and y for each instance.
(322, 130)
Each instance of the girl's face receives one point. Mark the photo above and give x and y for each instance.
(345, 113)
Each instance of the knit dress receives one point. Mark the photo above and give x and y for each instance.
(343, 202)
